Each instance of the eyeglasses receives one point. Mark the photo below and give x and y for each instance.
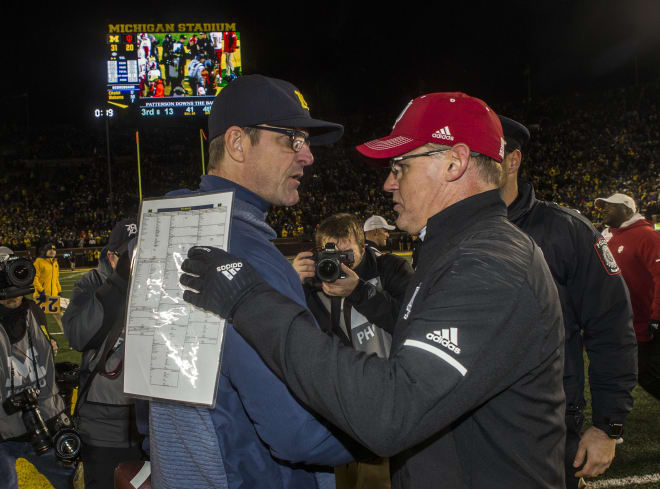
(296, 138)
(397, 167)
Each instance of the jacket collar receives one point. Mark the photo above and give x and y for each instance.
(368, 268)
(524, 201)
(635, 221)
(212, 183)
(371, 244)
(636, 218)
(457, 218)
(248, 206)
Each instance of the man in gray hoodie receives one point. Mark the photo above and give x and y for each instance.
(93, 324)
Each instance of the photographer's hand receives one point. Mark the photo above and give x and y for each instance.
(304, 265)
(342, 287)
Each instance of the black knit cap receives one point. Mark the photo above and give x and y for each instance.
(515, 133)
(257, 99)
(121, 234)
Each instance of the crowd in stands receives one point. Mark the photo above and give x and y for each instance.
(55, 180)
(589, 146)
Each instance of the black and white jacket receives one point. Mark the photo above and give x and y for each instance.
(372, 308)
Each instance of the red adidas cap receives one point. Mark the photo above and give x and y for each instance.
(444, 118)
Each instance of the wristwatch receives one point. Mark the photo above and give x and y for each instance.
(614, 430)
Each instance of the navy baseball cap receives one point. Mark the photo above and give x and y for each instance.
(515, 133)
(257, 99)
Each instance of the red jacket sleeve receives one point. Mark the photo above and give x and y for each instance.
(650, 254)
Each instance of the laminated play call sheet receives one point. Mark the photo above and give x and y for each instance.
(173, 350)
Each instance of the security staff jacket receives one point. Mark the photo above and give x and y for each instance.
(26, 359)
(370, 312)
(595, 305)
(471, 396)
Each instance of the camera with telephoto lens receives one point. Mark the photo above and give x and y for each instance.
(328, 262)
(16, 277)
(65, 440)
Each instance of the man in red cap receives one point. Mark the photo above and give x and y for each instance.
(471, 394)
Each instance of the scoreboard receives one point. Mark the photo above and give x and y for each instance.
(122, 70)
(170, 70)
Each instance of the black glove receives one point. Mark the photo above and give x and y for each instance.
(223, 280)
(654, 330)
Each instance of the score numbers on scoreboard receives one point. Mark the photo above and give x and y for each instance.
(121, 42)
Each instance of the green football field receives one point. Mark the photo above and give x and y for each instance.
(636, 465)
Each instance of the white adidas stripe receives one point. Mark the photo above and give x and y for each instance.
(438, 353)
(450, 334)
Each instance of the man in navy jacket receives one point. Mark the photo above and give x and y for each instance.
(258, 435)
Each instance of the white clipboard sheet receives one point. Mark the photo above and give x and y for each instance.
(173, 350)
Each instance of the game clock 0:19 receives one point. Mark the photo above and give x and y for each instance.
(98, 113)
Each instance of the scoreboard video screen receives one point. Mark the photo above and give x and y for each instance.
(169, 70)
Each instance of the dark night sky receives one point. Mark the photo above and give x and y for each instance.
(347, 56)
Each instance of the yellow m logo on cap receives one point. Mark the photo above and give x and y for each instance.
(303, 104)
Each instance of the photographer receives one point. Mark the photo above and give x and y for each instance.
(93, 324)
(368, 297)
(28, 391)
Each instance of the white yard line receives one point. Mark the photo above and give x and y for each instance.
(625, 481)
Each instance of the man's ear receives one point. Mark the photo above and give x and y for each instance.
(511, 163)
(234, 137)
(460, 155)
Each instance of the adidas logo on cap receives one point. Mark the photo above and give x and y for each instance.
(443, 134)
